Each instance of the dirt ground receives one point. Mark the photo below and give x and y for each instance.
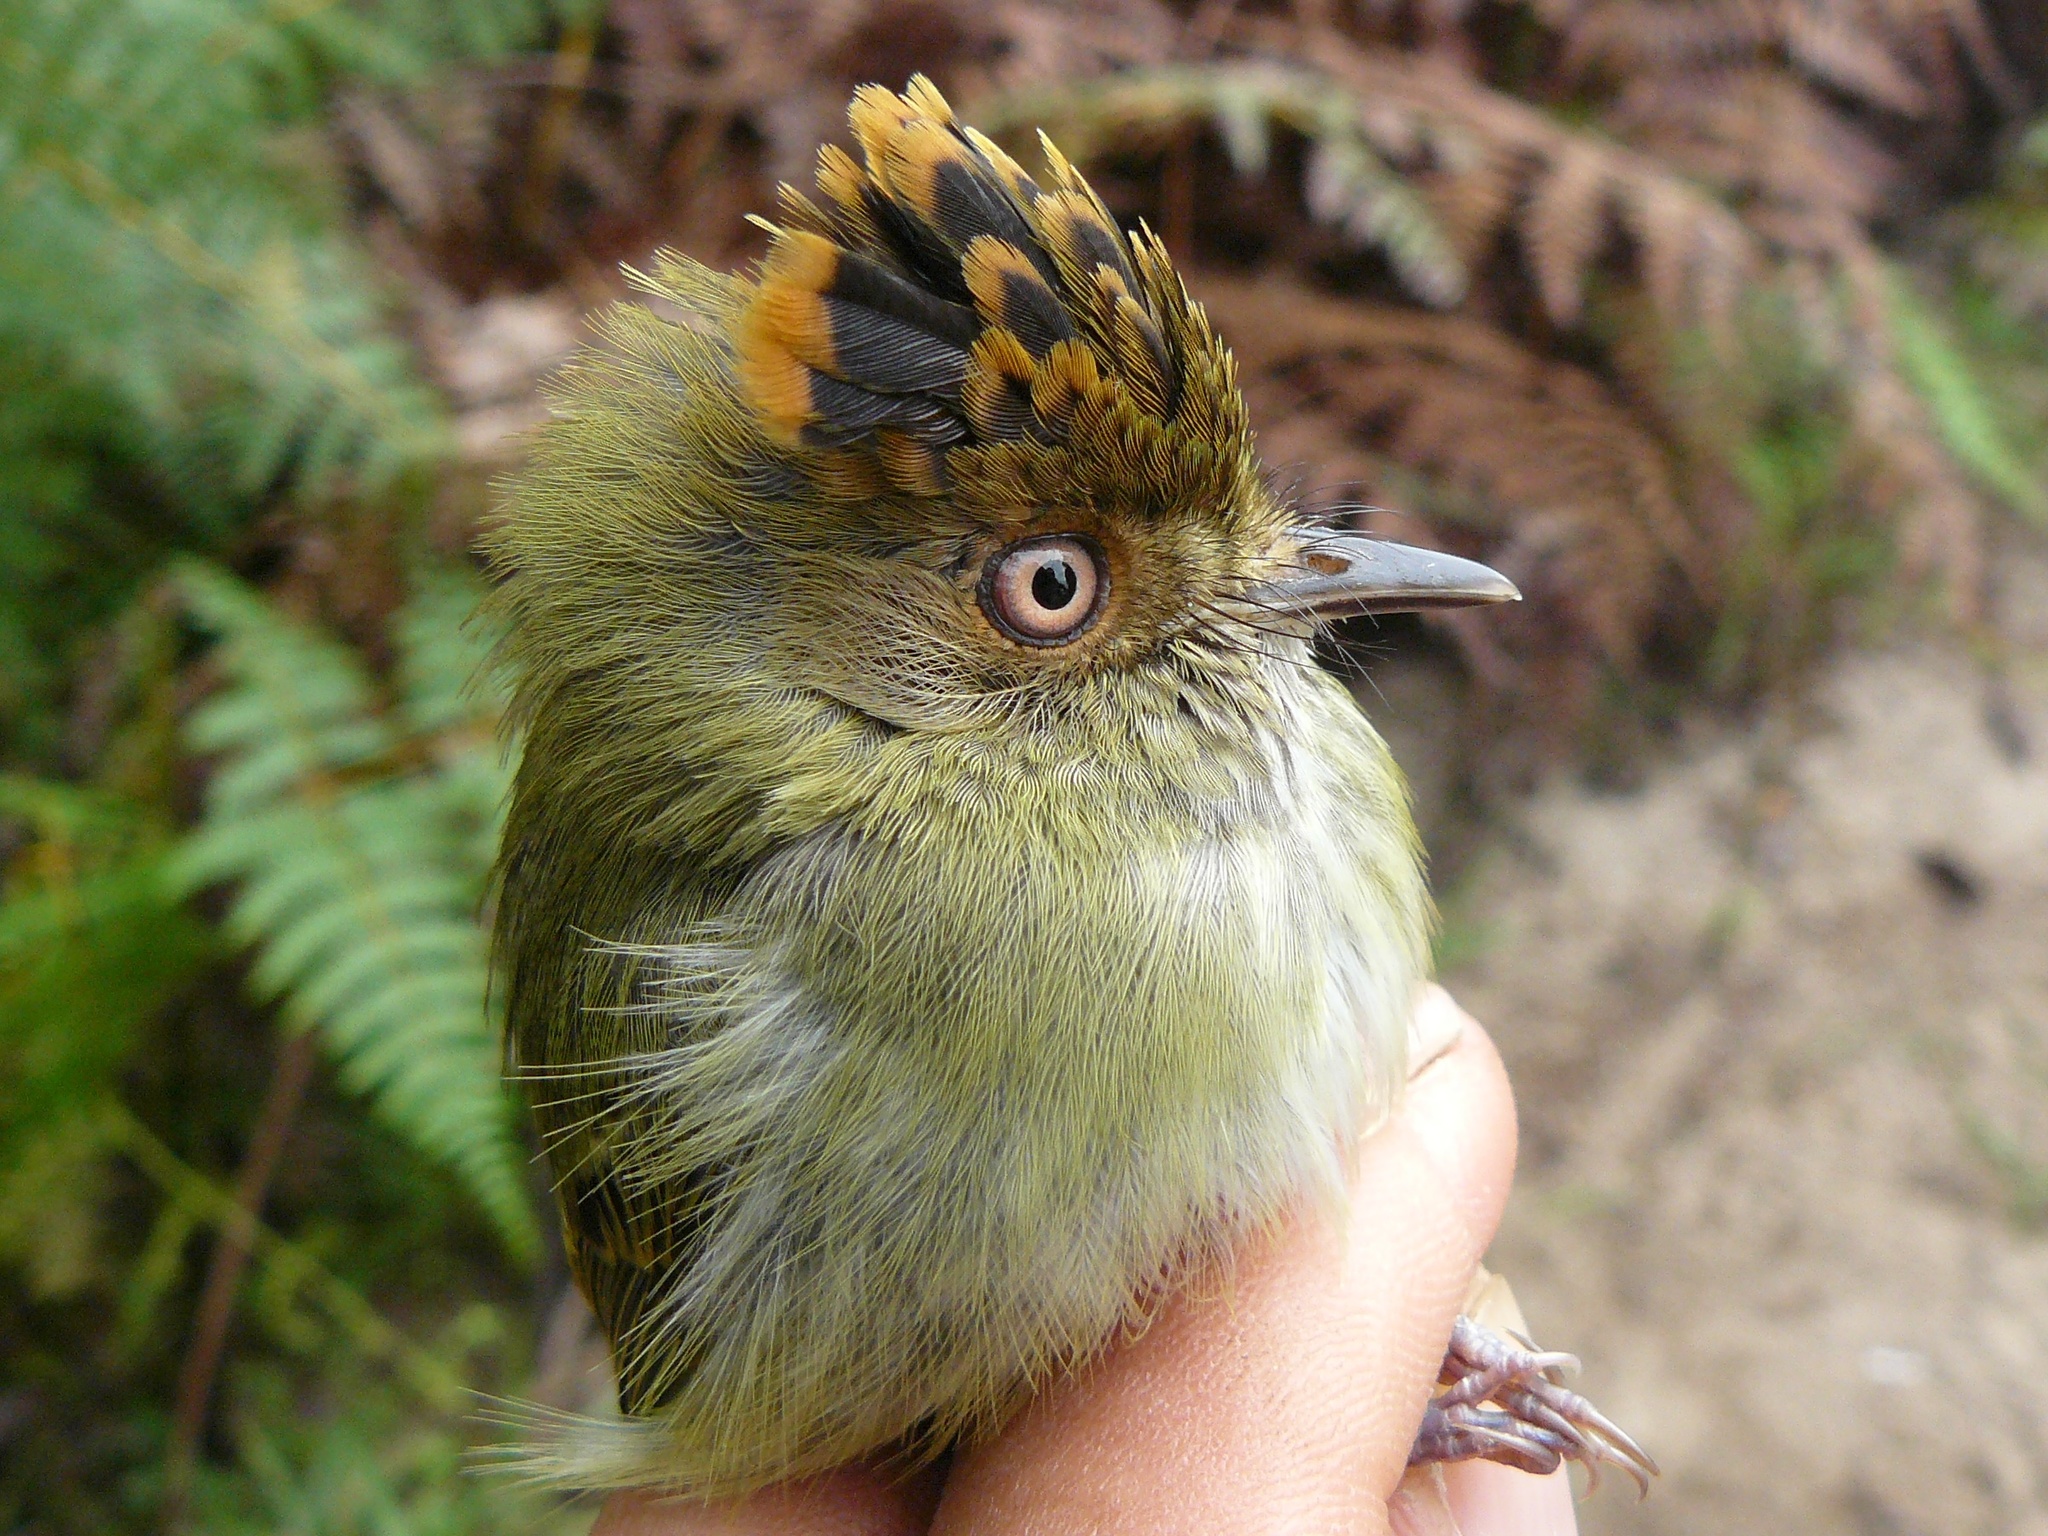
(1778, 1023)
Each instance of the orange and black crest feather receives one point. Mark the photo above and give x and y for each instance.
(934, 322)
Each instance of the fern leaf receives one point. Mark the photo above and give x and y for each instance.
(1963, 414)
(445, 654)
(1564, 228)
(1350, 183)
(90, 948)
(453, 690)
(1239, 108)
(356, 870)
(149, 241)
(189, 330)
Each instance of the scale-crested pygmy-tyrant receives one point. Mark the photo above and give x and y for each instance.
(943, 907)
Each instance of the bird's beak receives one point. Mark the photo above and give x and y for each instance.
(1339, 576)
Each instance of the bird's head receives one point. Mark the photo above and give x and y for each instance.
(963, 459)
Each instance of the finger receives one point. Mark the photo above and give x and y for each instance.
(1419, 1506)
(853, 1501)
(1291, 1402)
(1488, 1499)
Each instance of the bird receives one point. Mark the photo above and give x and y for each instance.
(944, 908)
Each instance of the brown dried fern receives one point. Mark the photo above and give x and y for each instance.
(1350, 179)
(1798, 188)
(1482, 165)
(1492, 449)
(1716, 150)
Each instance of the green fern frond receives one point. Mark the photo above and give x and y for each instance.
(86, 931)
(301, 46)
(91, 946)
(369, 1465)
(445, 650)
(453, 692)
(189, 331)
(155, 238)
(1350, 185)
(354, 834)
(1943, 377)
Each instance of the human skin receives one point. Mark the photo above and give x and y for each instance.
(1285, 1402)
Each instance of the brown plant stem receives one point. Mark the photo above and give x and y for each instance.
(289, 1077)
(571, 72)
(1177, 192)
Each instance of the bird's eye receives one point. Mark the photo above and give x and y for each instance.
(1045, 591)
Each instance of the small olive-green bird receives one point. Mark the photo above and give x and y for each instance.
(943, 906)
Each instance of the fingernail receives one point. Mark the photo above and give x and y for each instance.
(1434, 1029)
(1487, 1499)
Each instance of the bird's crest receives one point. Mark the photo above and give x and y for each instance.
(934, 322)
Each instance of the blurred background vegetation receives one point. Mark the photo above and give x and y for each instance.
(1720, 325)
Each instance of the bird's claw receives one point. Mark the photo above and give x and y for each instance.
(1503, 1401)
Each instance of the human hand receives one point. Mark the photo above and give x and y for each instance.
(1288, 1404)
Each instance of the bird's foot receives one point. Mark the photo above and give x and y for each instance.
(1503, 1401)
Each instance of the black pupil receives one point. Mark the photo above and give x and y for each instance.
(1054, 584)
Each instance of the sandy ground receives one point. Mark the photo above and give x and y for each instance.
(1778, 1021)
